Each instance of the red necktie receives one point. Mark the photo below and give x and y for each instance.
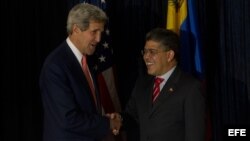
(88, 77)
(156, 90)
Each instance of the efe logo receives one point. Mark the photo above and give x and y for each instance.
(237, 132)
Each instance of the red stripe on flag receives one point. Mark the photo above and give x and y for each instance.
(105, 95)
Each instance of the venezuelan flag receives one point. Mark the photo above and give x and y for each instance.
(182, 18)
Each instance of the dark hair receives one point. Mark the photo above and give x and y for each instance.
(168, 39)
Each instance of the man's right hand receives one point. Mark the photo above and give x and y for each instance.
(115, 122)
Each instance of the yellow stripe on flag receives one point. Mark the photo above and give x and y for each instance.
(175, 17)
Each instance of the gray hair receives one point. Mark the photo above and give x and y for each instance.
(81, 14)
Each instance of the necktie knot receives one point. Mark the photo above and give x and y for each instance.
(84, 61)
(158, 80)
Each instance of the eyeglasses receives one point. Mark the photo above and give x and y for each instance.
(151, 52)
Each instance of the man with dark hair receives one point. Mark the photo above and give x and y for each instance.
(166, 103)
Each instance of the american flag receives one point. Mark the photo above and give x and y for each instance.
(102, 63)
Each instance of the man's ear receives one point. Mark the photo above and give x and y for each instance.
(171, 55)
(76, 29)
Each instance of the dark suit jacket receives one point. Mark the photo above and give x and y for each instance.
(178, 114)
(69, 110)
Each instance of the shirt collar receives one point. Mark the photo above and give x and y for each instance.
(167, 74)
(75, 51)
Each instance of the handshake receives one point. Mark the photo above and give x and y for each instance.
(115, 122)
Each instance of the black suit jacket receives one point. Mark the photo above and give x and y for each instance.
(178, 114)
(70, 113)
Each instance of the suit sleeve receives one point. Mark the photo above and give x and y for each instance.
(62, 109)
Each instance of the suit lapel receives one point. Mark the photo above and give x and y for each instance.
(167, 90)
(77, 71)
